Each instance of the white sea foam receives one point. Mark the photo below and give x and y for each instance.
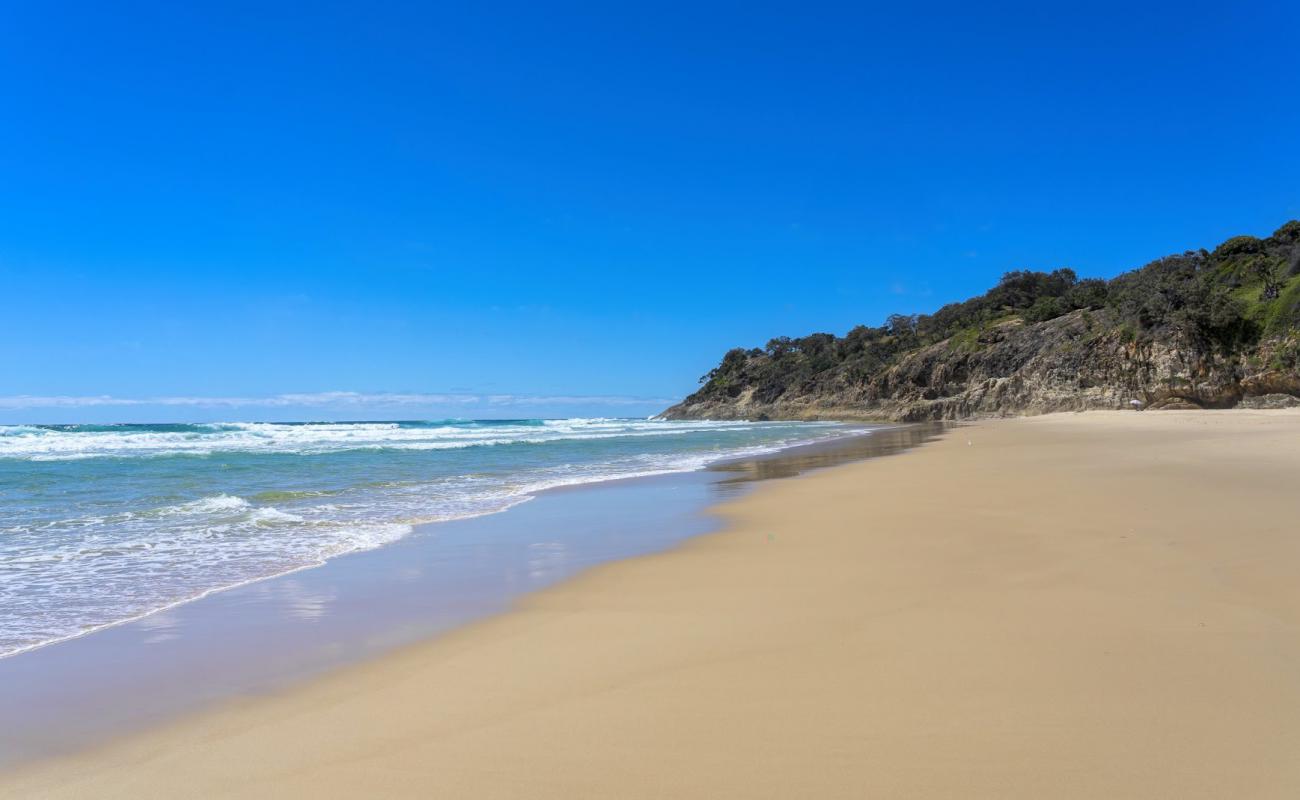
(96, 543)
(208, 505)
(273, 516)
(69, 442)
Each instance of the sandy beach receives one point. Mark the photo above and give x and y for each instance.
(1097, 605)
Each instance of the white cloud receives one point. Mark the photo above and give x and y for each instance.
(320, 399)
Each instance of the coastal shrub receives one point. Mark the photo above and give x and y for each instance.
(1022, 289)
(1272, 272)
(1210, 301)
(1284, 313)
(1087, 293)
(1180, 295)
(1239, 245)
(1288, 233)
(966, 340)
(1045, 308)
(732, 364)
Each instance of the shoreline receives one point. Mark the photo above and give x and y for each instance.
(531, 495)
(272, 633)
(971, 620)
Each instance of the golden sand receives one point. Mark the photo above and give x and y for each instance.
(1074, 606)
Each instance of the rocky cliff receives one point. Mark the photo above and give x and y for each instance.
(1197, 330)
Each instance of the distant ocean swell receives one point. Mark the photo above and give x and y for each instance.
(101, 524)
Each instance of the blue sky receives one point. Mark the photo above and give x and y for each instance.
(511, 209)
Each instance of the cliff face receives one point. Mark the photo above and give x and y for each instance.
(1244, 350)
(1072, 363)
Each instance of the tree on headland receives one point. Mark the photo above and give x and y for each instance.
(1222, 301)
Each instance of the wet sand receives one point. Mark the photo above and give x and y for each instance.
(271, 634)
(1092, 605)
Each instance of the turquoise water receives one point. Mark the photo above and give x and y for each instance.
(104, 523)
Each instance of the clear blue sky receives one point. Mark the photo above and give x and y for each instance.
(548, 203)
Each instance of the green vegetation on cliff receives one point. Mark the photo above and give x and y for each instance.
(1219, 314)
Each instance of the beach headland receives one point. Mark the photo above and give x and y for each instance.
(1084, 605)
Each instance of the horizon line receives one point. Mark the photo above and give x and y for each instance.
(319, 399)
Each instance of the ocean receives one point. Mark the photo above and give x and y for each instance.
(101, 524)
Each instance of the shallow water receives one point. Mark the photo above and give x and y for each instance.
(265, 635)
(105, 523)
